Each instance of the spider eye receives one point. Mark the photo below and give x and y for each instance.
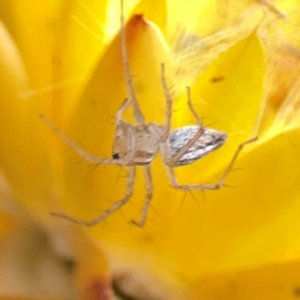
(115, 156)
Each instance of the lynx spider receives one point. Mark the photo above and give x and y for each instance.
(137, 145)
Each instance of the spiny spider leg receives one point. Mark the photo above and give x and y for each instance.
(169, 105)
(149, 193)
(191, 107)
(193, 140)
(90, 157)
(213, 186)
(172, 160)
(120, 112)
(109, 211)
(168, 158)
(79, 150)
(139, 117)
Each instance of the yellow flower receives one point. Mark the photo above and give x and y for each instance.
(65, 62)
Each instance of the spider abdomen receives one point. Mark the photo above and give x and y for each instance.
(209, 141)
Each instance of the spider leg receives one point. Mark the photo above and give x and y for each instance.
(192, 109)
(193, 140)
(169, 105)
(168, 158)
(213, 186)
(139, 117)
(90, 157)
(109, 211)
(120, 112)
(149, 192)
(79, 150)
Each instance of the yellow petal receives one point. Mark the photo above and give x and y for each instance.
(34, 37)
(84, 31)
(22, 154)
(7, 224)
(276, 281)
(154, 11)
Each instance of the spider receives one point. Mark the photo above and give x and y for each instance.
(137, 145)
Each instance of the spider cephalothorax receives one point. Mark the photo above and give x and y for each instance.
(138, 144)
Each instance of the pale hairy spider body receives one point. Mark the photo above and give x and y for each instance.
(145, 143)
(137, 145)
(140, 145)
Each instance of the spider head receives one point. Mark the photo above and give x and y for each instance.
(120, 145)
